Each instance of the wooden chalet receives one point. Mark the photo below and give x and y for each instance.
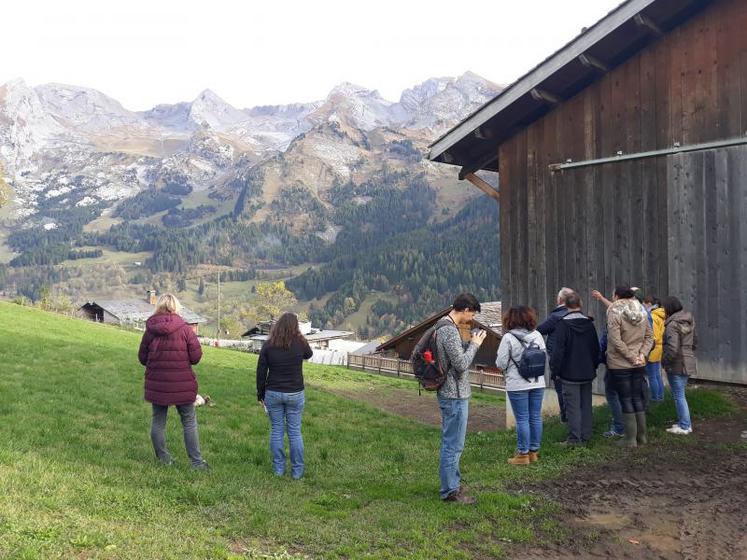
(489, 319)
(622, 159)
(131, 312)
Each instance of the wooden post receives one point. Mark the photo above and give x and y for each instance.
(483, 185)
(399, 365)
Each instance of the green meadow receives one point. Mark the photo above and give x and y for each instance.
(79, 478)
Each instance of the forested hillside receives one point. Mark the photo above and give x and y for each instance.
(423, 267)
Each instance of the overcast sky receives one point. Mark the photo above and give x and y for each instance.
(144, 52)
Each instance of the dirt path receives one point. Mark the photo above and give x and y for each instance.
(675, 502)
(424, 407)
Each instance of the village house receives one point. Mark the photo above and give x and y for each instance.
(132, 312)
(318, 338)
(622, 159)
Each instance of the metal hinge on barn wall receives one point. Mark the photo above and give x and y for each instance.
(676, 149)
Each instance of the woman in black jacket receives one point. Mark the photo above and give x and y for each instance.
(280, 390)
(574, 360)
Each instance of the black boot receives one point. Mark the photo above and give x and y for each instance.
(640, 420)
(631, 431)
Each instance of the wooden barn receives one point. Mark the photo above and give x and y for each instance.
(622, 159)
(131, 312)
(489, 319)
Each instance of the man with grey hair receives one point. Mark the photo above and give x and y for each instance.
(547, 328)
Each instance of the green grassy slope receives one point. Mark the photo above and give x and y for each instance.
(79, 478)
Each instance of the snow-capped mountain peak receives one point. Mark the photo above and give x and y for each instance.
(209, 109)
(25, 126)
(85, 108)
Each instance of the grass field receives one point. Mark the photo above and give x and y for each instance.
(80, 480)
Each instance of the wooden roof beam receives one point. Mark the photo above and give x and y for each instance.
(593, 63)
(483, 185)
(483, 133)
(478, 164)
(545, 96)
(642, 20)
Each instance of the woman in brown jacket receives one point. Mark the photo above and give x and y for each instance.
(629, 341)
(678, 360)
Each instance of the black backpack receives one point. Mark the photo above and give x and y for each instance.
(425, 364)
(531, 365)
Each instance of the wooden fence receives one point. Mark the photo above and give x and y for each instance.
(484, 380)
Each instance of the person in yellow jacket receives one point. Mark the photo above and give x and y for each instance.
(653, 366)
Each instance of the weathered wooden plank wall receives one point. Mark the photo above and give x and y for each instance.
(708, 254)
(670, 225)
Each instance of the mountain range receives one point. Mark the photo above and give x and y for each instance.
(304, 182)
(76, 146)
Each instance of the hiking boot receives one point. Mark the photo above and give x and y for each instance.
(519, 459)
(460, 498)
(640, 420)
(630, 438)
(676, 429)
(534, 456)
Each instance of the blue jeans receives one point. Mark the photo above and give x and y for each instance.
(613, 401)
(655, 383)
(527, 407)
(285, 410)
(677, 383)
(454, 413)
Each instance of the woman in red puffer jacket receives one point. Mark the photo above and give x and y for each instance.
(168, 351)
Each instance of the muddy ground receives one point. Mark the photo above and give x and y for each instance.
(679, 501)
(672, 499)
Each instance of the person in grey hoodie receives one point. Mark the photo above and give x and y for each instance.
(678, 359)
(453, 397)
(525, 396)
(629, 340)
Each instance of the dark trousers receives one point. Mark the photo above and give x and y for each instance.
(558, 383)
(629, 386)
(577, 398)
(191, 437)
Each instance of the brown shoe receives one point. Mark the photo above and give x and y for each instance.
(519, 459)
(460, 498)
(534, 456)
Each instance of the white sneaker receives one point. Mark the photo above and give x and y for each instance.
(679, 431)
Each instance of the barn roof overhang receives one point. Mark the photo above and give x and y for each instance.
(629, 28)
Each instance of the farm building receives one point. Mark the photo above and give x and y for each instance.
(489, 319)
(131, 312)
(318, 338)
(622, 159)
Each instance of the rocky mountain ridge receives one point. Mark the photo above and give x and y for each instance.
(65, 147)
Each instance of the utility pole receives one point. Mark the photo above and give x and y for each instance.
(218, 328)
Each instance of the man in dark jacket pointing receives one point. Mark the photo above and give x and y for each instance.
(574, 361)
